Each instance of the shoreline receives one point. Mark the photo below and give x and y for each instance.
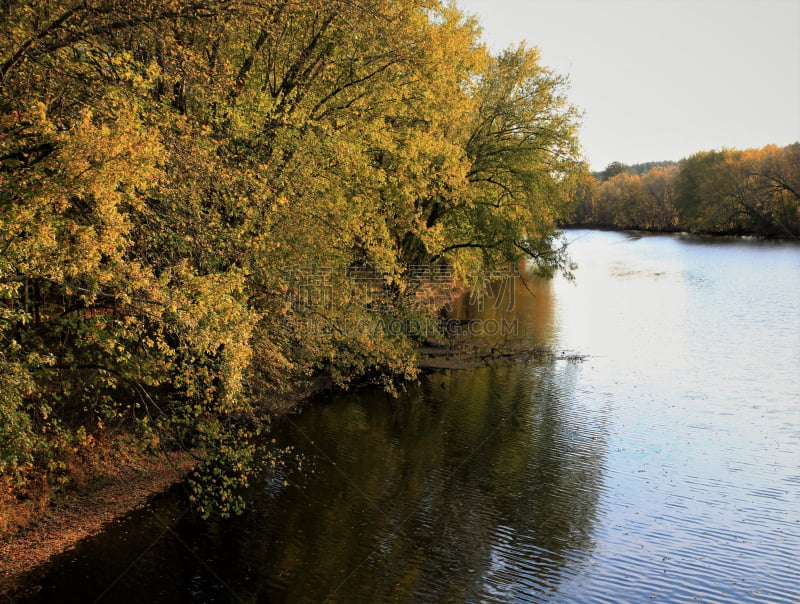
(719, 235)
(76, 514)
(83, 511)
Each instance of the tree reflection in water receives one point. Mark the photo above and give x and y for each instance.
(472, 485)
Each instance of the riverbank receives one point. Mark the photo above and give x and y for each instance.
(109, 482)
(118, 479)
(39, 529)
(468, 353)
(710, 233)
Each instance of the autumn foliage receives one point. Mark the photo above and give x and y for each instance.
(187, 189)
(750, 192)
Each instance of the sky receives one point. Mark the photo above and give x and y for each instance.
(663, 79)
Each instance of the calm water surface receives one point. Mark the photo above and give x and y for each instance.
(664, 467)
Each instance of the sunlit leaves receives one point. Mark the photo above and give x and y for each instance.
(168, 169)
(730, 191)
(756, 191)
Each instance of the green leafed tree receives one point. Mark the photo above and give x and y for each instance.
(524, 165)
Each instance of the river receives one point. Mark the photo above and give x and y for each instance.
(663, 465)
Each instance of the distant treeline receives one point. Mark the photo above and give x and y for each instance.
(756, 191)
(617, 167)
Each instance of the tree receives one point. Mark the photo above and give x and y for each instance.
(192, 192)
(659, 188)
(740, 191)
(613, 169)
(524, 165)
(767, 189)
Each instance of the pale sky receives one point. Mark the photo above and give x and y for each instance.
(663, 79)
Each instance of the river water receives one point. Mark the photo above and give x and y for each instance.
(664, 466)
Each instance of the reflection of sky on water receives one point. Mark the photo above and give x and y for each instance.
(663, 466)
(698, 346)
